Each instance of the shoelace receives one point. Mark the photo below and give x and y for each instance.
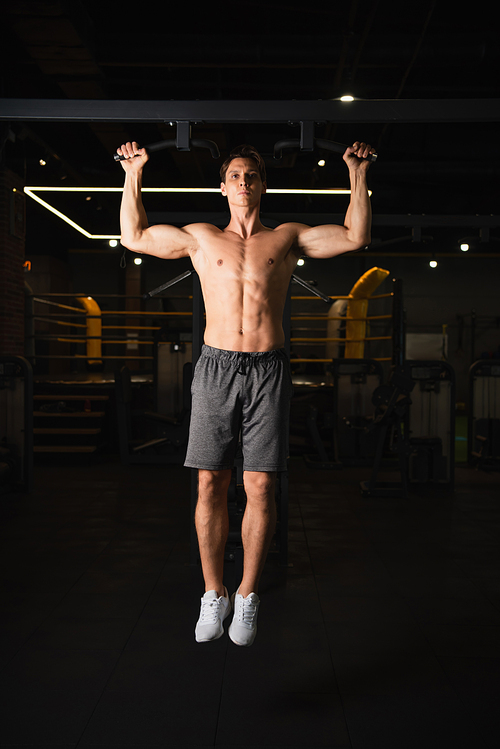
(210, 610)
(246, 611)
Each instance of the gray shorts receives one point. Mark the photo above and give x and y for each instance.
(240, 394)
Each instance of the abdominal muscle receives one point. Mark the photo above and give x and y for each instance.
(244, 316)
(244, 287)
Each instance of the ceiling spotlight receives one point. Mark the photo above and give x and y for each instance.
(113, 243)
(347, 97)
(433, 264)
(138, 260)
(465, 247)
(42, 162)
(321, 162)
(301, 261)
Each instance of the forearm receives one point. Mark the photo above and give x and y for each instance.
(133, 219)
(358, 218)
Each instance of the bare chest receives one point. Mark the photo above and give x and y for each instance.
(265, 256)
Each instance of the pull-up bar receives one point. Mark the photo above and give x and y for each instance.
(306, 142)
(321, 111)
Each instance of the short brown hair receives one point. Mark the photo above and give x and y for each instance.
(244, 152)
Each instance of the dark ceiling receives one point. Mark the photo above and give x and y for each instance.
(288, 50)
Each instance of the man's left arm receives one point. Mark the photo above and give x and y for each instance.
(330, 240)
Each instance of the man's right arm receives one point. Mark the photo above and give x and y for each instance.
(168, 242)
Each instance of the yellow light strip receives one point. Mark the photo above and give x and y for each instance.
(28, 191)
(31, 190)
(275, 190)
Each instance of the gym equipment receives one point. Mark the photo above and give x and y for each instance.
(308, 142)
(392, 403)
(419, 429)
(432, 423)
(354, 381)
(16, 424)
(170, 445)
(182, 142)
(172, 351)
(483, 444)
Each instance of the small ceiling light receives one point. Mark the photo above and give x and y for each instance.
(89, 197)
(113, 243)
(465, 247)
(347, 97)
(42, 162)
(138, 260)
(321, 162)
(301, 261)
(433, 264)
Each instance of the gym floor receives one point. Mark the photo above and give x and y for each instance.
(383, 632)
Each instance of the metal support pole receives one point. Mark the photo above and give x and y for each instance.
(398, 333)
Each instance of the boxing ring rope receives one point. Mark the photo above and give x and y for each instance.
(67, 316)
(55, 319)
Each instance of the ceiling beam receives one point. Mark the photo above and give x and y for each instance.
(369, 111)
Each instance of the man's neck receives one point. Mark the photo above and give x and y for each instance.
(245, 222)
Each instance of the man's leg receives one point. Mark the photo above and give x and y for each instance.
(212, 525)
(257, 527)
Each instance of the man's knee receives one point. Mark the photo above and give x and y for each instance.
(213, 484)
(259, 484)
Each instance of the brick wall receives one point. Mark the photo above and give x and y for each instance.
(12, 236)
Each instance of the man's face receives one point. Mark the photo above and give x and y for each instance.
(243, 185)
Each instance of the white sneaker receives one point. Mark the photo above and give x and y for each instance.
(212, 613)
(244, 625)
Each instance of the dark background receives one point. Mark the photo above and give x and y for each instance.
(270, 51)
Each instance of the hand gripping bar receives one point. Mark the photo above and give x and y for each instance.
(326, 145)
(196, 142)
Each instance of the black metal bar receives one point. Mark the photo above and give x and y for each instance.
(312, 289)
(473, 335)
(326, 145)
(180, 144)
(307, 136)
(167, 285)
(331, 145)
(183, 136)
(367, 111)
(398, 331)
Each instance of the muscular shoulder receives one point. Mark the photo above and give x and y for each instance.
(202, 234)
(201, 230)
(292, 231)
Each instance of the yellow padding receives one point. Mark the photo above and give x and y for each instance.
(94, 329)
(357, 307)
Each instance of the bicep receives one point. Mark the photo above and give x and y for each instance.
(323, 241)
(165, 241)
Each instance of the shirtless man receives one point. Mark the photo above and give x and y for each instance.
(242, 380)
